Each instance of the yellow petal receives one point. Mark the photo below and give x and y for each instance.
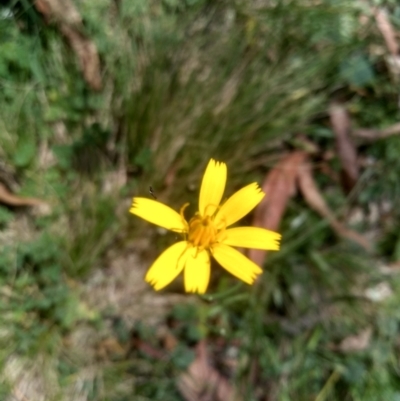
(252, 237)
(236, 263)
(168, 265)
(239, 204)
(212, 187)
(158, 213)
(197, 271)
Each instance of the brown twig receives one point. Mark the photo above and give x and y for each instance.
(374, 134)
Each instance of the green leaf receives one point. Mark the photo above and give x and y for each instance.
(396, 253)
(5, 215)
(143, 158)
(182, 357)
(25, 151)
(357, 70)
(54, 113)
(64, 154)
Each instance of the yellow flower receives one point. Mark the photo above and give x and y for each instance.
(206, 234)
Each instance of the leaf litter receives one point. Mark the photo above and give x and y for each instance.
(315, 200)
(294, 172)
(346, 150)
(279, 186)
(202, 382)
(65, 15)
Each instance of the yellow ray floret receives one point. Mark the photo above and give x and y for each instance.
(239, 204)
(157, 213)
(197, 271)
(212, 187)
(252, 237)
(167, 266)
(236, 263)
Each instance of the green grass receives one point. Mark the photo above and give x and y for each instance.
(184, 81)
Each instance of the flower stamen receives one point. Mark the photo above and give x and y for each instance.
(203, 232)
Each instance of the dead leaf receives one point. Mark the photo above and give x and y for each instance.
(347, 153)
(315, 200)
(387, 30)
(110, 348)
(167, 338)
(138, 344)
(10, 199)
(65, 15)
(279, 186)
(389, 35)
(170, 341)
(357, 342)
(202, 382)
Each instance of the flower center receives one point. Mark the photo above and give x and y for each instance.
(202, 231)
